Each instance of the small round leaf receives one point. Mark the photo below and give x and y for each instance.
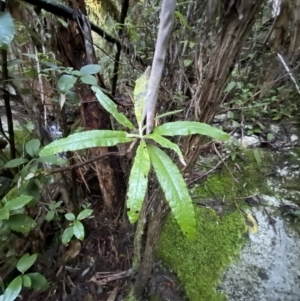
(70, 216)
(26, 281)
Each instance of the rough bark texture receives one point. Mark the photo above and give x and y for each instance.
(156, 220)
(75, 45)
(237, 20)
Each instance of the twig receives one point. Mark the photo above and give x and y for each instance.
(71, 167)
(112, 277)
(217, 152)
(208, 172)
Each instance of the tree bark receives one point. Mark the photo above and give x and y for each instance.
(68, 13)
(75, 45)
(237, 20)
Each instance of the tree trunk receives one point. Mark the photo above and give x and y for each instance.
(237, 20)
(76, 48)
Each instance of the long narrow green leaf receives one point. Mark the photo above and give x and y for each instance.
(111, 107)
(167, 144)
(138, 181)
(175, 190)
(78, 141)
(185, 128)
(139, 94)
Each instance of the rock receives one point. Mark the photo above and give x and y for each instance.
(250, 141)
(270, 262)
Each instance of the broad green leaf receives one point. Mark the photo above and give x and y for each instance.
(84, 214)
(139, 94)
(32, 147)
(49, 216)
(76, 73)
(13, 289)
(4, 213)
(20, 223)
(15, 162)
(38, 281)
(175, 190)
(185, 128)
(66, 82)
(111, 107)
(52, 159)
(230, 86)
(18, 202)
(138, 182)
(83, 140)
(89, 79)
(78, 230)
(90, 69)
(67, 235)
(167, 144)
(7, 29)
(70, 216)
(25, 262)
(26, 281)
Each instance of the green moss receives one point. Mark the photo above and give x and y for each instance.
(252, 176)
(242, 177)
(199, 264)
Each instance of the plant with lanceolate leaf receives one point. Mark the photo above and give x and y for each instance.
(147, 153)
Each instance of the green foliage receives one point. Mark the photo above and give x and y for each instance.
(185, 128)
(200, 263)
(75, 227)
(83, 140)
(111, 107)
(175, 190)
(167, 144)
(167, 172)
(249, 106)
(30, 280)
(139, 93)
(138, 181)
(14, 216)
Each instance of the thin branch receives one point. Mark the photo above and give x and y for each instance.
(71, 167)
(64, 11)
